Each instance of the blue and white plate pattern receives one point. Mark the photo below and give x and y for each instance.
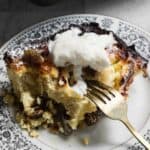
(11, 136)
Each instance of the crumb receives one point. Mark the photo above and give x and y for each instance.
(61, 129)
(9, 99)
(53, 130)
(85, 140)
(47, 115)
(3, 93)
(61, 82)
(38, 101)
(82, 125)
(34, 133)
(45, 126)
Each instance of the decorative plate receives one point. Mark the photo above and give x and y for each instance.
(107, 134)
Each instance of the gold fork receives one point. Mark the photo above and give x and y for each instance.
(112, 103)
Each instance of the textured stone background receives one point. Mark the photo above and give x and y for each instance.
(15, 15)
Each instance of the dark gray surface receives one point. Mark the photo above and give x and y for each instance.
(16, 15)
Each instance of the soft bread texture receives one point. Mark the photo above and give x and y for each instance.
(29, 83)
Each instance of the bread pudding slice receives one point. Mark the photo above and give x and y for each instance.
(44, 93)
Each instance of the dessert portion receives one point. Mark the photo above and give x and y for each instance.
(49, 82)
(82, 50)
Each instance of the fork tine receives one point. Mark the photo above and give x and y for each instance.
(101, 91)
(92, 92)
(101, 86)
(95, 100)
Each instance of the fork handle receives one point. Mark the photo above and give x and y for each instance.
(136, 134)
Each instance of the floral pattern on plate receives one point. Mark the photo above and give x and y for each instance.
(11, 136)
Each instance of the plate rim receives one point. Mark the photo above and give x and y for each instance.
(73, 15)
(140, 29)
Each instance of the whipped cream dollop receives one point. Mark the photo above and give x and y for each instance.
(81, 50)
